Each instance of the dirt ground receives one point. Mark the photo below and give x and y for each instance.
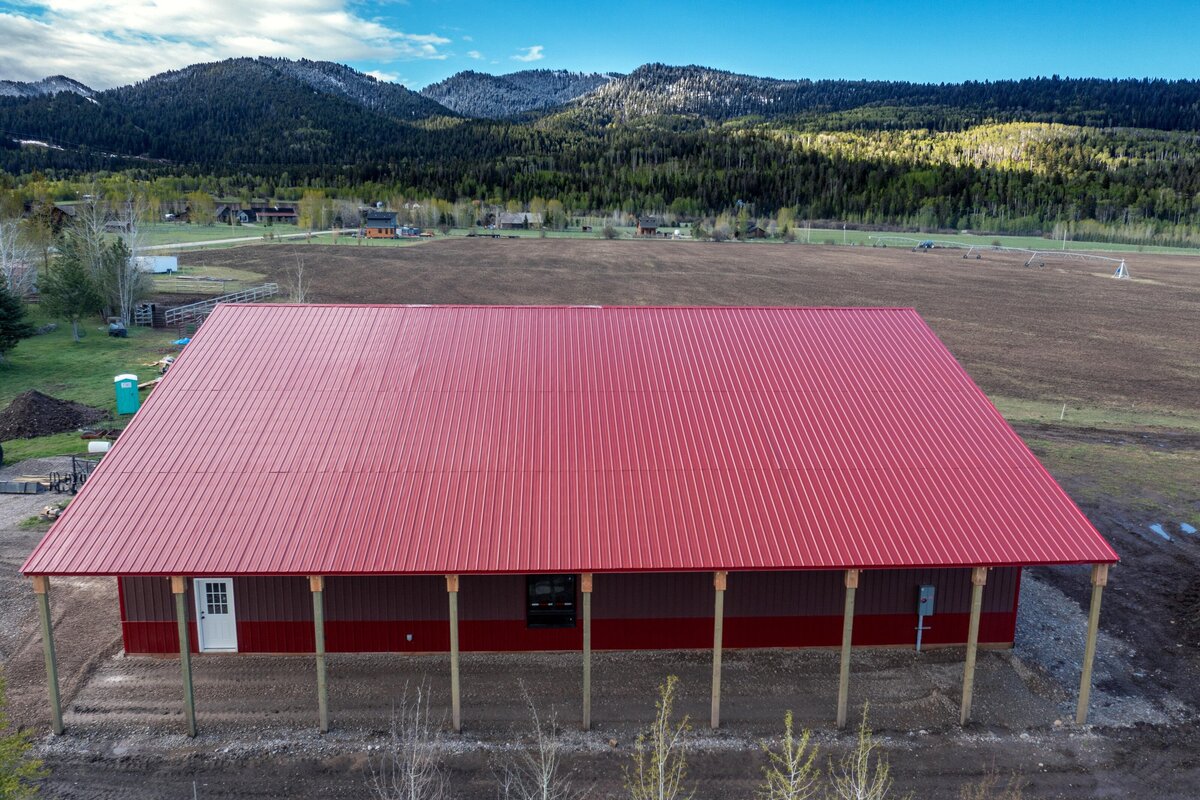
(1026, 332)
(1066, 332)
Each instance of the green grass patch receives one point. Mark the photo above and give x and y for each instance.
(182, 233)
(59, 444)
(1155, 483)
(35, 523)
(1085, 416)
(206, 280)
(83, 371)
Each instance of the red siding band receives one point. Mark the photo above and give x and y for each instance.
(872, 630)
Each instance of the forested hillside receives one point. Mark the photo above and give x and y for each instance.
(477, 94)
(1017, 156)
(51, 85)
(657, 89)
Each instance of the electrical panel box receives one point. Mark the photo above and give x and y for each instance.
(925, 601)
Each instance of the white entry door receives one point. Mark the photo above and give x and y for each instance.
(215, 620)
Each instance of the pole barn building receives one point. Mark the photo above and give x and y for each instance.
(312, 479)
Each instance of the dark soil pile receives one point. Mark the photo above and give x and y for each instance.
(33, 414)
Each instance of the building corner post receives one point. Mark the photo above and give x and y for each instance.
(455, 696)
(41, 588)
(585, 587)
(978, 581)
(179, 589)
(1099, 581)
(852, 576)
(316, 583)
(720, 580)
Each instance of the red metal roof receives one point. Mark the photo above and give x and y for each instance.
(409, 439)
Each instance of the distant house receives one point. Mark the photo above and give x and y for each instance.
(231, 213)
(647, 226)
(755, 231)
(522, 220)
(61, 215)
(282, 214)
(380, 225)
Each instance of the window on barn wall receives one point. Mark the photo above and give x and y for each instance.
(550, 601)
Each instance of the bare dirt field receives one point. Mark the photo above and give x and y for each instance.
(1064, 331)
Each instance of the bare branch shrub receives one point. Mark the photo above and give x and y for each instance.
(297, 283)
(659, 768)
(127, 283)
(537, 772)
(409, 766)
(989, 788)
(863, 773)
(791, 772)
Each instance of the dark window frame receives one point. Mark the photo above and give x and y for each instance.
(552, 600)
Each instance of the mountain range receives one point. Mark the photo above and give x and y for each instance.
(477, 94)
(46, 86)
(688, 138)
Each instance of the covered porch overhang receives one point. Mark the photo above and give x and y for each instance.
(453, 586)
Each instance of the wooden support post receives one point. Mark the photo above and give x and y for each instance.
(978, 580)
(585, 585)
(455, 698)
(847, 637)
(41, 588)
(316, 583)
(179, 589)
(719, 581)
(1099, 581)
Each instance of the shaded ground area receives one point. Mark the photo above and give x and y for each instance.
(1067, 332)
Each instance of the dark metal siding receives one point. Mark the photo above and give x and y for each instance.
(781, 594)
(408, 597)
(282, 599)
(653, 595)
(489, 597)
(895, 591)
(147, 599)
(631, 611)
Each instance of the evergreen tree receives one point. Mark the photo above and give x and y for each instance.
(13, 326)
(69, 290)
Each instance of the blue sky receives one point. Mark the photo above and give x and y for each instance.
(110, 42)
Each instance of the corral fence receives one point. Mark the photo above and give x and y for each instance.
(192, 312)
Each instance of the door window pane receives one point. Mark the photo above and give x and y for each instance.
(216, 598)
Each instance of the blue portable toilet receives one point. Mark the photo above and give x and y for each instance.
(128, 401)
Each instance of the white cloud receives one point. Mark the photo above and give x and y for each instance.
(387, 77)
(468, 38)
(475, 54)
(533, 53)
(107, 43)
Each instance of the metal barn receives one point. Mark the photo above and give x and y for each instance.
(312, 479)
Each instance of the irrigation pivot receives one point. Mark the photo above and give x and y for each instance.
(976, 251)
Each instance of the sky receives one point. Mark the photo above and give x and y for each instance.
(106, 43)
